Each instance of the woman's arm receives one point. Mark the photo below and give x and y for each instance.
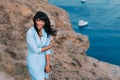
(47, 68)
(31, 43)
(46, 48)
(48, 52)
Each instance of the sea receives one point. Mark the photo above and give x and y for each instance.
(103, 29)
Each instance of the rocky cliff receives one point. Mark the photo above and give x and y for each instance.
(69, 61)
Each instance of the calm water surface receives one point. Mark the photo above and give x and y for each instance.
(103, 29)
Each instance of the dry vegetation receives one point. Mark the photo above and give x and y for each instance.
(68, 59)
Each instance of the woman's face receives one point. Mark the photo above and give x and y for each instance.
(39, 23)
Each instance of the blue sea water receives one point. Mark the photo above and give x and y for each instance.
(103, 29)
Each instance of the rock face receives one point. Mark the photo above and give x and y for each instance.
(4, 76)
(69, 61)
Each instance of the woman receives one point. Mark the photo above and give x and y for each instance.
(39, 47)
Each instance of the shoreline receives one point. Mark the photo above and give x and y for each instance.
(106, 52)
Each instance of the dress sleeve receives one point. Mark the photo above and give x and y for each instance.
(48, 43)
(31, 43)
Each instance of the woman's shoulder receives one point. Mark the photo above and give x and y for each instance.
(30, 30)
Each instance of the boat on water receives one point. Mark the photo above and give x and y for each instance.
(82, 23)
(83, 1)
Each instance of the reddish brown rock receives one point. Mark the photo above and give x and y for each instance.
(69, 60)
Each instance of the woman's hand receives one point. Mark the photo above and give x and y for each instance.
(47, 68)
(46, 48)
(50, 46)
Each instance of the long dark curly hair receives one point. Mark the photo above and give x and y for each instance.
(47, 26)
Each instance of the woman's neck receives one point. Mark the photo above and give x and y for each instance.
(40, 32)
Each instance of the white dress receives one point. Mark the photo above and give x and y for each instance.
(36, 61)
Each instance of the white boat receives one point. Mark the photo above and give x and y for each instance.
(83, 1)
(82, 23)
